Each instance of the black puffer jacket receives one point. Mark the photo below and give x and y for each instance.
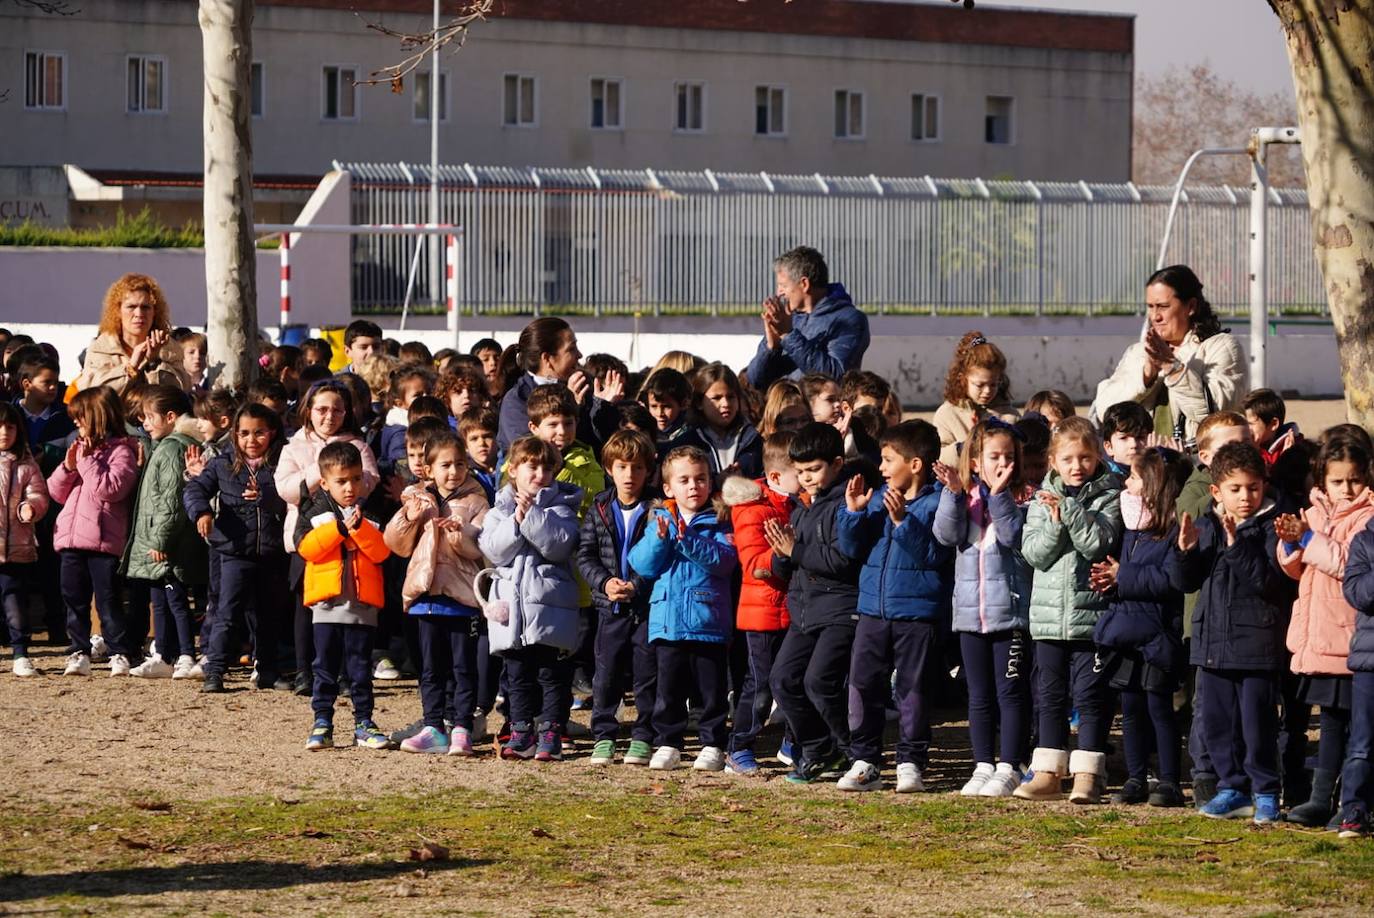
(1358, 588)
(823, 582)
(599, 551)
(243, 528)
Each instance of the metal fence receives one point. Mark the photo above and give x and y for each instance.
(615, 242)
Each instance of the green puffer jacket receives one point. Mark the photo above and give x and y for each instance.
(160, 522)
(1063, 607)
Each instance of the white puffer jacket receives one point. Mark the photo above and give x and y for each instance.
(1215, 366)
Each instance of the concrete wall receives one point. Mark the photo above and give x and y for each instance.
(1086, 95)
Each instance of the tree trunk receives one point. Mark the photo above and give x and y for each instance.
(226, 28)
(1331, 48)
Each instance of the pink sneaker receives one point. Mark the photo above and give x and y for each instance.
(428, 740)
(460, 742)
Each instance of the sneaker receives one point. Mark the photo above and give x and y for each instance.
(804, 773)
(909, 780)
(785, 753)
(666, 758)
(119, 665)
(213, 685)
(386, 670)
(23, 666)
(304, 685)
(861, 777)
(742, 762)
(1006, 778)
(184, 666)
(1166, 794)
(429, 740)
(521, 743)
(974, 785)
(406, 732)
(550, 748)
(504, 734)
(639, 753)
(835, 766)
(1133, 792)
(99, 652)
(369, 736)
(1228, 804)
(321, 735)
(581, 704)
(460, 742)
(603, 753)
(1266, 809)
(1354, 822)
(78, 664)
(198, 668)
(151, 668)
(710, 758)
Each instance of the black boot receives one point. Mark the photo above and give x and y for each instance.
(214, 685)
(1317, 810)
(1134, 791)
(1204, 789)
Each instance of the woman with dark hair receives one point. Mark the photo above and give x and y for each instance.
(1185, 367)
(548, 354)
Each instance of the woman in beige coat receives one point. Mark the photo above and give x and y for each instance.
(134, 325)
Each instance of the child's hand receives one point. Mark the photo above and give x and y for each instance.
(73, 455)
(1187, 532)
(578, 385)
(611, 388)
(523, 502)
(142, 456)
(845, 420)
(205, 523)
(25, 513)
(353, 519)
(618, 590)
(998, 480)
(780, 538)
(414, 508)
(195, 461)
(1228, 526)
(949, 478)
(1290, 527)
(157, 556)
(1103, 575)
(451, 524)
(250, 490)
(895, 506)
(1051, 502)
(856, 496)
(662, 523)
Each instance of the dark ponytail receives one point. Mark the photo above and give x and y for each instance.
(540, 337)
(1186, 286)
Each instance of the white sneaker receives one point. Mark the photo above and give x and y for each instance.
(99, 652)
(711, 758)
(909, 779)
(861, 777)
(385, 670)
(119, 665)
(981, 772)
(185, 667)
(198, 669)
(23, 666)
(666, 758)
(1004, 780)
(78, 664)
(151, 668)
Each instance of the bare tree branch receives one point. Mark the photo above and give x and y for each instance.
(51, 7)
(419, 45)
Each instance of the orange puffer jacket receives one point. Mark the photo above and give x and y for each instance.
(1323, 622)
(762, 596)
(322, 548)
(442, 562)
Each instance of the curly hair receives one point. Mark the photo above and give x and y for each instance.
(462, 379)
(110, 322)
(974, 350)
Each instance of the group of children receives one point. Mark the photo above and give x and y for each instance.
(716, 555)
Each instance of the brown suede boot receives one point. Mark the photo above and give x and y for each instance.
(1050, 766)
(1089, 771)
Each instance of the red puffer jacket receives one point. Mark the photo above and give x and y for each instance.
(762, 596)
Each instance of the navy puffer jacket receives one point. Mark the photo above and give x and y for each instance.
(1146, 609)
(243, 528)
(823, 581)
(1358, 587)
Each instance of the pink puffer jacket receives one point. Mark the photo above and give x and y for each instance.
(22, 485)
(97, 499)
(299, 465)
(1323, 622)
(441, 563)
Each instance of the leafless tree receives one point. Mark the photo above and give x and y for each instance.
(417, 46)
(52, 7)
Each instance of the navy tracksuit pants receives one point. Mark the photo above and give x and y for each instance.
(622, 649)
(537, 685)
(809, 681)
(687, 669)
(254, 588)
(997, 671)
(338, 648)
(880, 647)
(755, 701)
(86, 573)
(1357, 777)
(448, 660)
(1070, 674)
(1240, 716)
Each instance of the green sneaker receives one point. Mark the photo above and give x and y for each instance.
(369, 736)
(321, 735)
(639, 753)
(603, 753)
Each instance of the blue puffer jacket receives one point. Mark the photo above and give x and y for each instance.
(243, 528)
(906, 574)
(830, 339)
(1358, 587)
(691, 599)
(992, 582)
(1146, 609)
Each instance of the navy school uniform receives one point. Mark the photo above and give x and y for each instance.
(1357, 775)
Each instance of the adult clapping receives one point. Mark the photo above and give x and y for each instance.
(134, 326)
(548, 353)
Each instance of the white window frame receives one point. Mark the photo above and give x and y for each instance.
(444, 82)
(771, 88)
(926, 98)
(352, 87)
(688, 85)
(849, 96)
(605, 82)
(43, 56)
(1011, 119)
(259, 87)
(517, 124)
(143, 108)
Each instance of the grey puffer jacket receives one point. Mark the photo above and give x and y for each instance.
(1063, 607)
(992, 582)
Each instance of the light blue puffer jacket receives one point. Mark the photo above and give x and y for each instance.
(992, 582)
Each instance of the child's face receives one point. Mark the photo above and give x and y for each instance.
(409, 391)
(558, 429)
(863, 401)
(1052, 417)
(817, 475)
(665, 411)
(629, 478)
(193, 358)
(327, 413)
(532, 476)
(344, 484)
(688, 482)
(1076, 462)
(1219, 437)
(1124, 447)
(1240, 494)
(158, 425)
(312, 356)
(459, 401)
(898, 471)
(719, 405)
(449, 470)
(41, 389)
(1134, 483)
(491, 363)
(981, 384)
(480, 444)
(253, 436)
(362, 348)
(783, 478)
(1262, 432)
(278, 407)
(998, 455)
(1344, 480)
(825, 405)
(794, 417)
(1035, 466)
(9, 433)
(415, 458)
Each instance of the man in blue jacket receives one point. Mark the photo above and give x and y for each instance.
(809, 326)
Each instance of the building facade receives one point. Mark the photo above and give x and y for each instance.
(828, 86)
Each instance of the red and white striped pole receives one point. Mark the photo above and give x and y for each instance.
(285, 285)
(451, 285)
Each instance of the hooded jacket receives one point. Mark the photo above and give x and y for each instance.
(762, 594)
(600, 550)
(907, 573)
(992, 582)
(1145, 611)
(1285, 439)
(298, 473)
(97, 498)
(243, 528)
(442, 563)
(328, 549)
(392, 445)
(830, 339)
(1323, 623)
(690, 569)
(534, 568)
(822, 581)
(21, 485)
(1063, 606)
(160, 520)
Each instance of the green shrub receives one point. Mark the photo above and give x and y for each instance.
(141, 231)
